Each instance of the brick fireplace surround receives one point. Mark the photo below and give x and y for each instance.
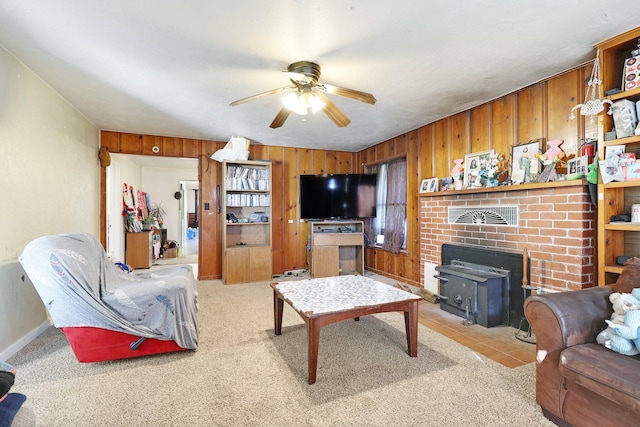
(557, 226)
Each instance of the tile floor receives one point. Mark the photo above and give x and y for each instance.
(498, 343)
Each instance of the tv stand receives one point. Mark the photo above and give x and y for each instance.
(336, 248)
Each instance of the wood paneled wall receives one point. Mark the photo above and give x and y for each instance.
(540, 110)
(289, 240)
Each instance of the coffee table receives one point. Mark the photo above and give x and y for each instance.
(328, 300)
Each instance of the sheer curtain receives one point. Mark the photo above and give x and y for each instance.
(396, 206)
(391, 205)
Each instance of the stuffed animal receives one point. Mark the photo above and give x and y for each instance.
(615, 338)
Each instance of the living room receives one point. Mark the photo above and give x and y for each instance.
(50, 162)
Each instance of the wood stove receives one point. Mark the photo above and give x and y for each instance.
(482, 285)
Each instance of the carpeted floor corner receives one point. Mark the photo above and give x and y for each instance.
(244, 375)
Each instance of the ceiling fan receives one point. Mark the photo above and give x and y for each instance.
(307, 95)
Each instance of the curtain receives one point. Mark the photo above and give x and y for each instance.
(370, 229)
(396, 206)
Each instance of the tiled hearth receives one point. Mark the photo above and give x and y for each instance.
(556, 225)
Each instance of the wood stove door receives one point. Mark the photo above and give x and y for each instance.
(459, 296)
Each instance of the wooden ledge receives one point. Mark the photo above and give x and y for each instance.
(519, 187)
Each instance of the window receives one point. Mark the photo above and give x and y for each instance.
(388, 229)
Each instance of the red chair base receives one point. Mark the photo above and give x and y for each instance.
(98, 345)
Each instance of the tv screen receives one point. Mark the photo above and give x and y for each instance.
(338, 196)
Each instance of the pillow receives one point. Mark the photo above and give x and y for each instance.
(630, 276)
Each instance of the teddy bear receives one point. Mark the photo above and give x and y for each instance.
(621, 334)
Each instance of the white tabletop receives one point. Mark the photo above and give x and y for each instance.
(330, 294)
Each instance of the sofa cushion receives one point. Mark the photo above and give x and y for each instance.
(604, 372)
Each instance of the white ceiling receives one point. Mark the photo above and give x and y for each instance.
(171, 68)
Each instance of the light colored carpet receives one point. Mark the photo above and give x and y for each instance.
(244, 375)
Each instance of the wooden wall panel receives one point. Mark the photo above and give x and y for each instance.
(531, 113)
(290, 210)
(346, 162)
(150, 141)
(503, 114)
(442, 144)
(426, 153)
(459, 138)
(209, 254)
(563, 94)
(191, 147)
(171, 147)
(331, 162)
(111, 140)
(276, 155)
(130, 143)
(480, 128)
(318, 162)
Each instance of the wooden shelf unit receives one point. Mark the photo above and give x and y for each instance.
(615, 198)
(336, 248)
(246, 195)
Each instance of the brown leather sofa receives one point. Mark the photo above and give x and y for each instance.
(579, 382)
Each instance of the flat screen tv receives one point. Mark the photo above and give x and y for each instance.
(345, 196)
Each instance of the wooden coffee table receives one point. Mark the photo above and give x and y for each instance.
(332, 299)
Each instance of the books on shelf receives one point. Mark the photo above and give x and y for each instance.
(248, 200)
(247, 178)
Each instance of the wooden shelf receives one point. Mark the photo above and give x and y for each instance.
(623, 226)
(616, 239)
(519, 187)
(246, 255)
(623, 141)
(625, 94)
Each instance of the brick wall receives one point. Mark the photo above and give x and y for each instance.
(557, 225)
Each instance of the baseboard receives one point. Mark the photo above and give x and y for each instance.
(22, 342)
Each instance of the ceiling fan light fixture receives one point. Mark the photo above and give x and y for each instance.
(301, 103)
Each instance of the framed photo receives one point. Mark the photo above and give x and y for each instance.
(577, 167)
(429, 185)
(524, 165)
(447, 183)
(472, 167)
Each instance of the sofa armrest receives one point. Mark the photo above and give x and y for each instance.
(562, 320)
(565, 319)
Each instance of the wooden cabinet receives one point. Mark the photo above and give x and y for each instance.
(616, 238)
(138, 249)
(246, 221)
(336, 248)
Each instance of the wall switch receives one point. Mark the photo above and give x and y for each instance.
(206, 206)
(290, 221)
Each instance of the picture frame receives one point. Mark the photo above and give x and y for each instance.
(523, 157)
(447, 183)
(577, 167)
(472, 167)
(429, 185)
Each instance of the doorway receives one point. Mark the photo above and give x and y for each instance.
(160, 178)
(190, 224)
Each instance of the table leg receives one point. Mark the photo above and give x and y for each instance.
(411, 326)
(278, 304)
(313, 336)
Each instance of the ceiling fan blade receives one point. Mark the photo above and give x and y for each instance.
(282, 115)
(334, 113)
(260, 95)
(349, 93)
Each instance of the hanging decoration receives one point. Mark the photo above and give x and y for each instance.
(592, 105)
